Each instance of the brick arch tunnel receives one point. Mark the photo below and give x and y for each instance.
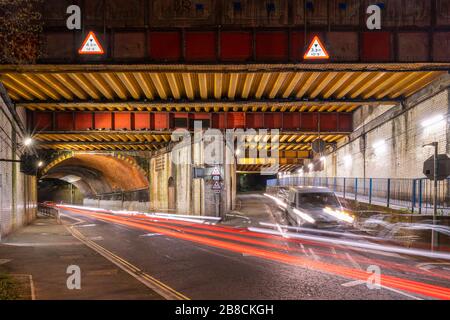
(96, 175)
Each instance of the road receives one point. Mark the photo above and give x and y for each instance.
(188, 260)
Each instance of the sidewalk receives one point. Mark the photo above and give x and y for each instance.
(427, 208)
(45, 249)
(251, 209)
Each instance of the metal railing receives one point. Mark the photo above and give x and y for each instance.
(140, 195)
(415, 195)
(49, 211)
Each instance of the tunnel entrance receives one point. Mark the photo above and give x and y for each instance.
(55, 190)
(252, 182)
(94, 176)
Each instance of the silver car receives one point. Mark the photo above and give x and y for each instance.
(316, 207)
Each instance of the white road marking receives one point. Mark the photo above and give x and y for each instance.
(315, 257)
(428, 266)
(97, 238)
(86, 225)
(150, 235)
(352, 261)
(303, 249)
(4, 261)
(362, 282)
(30, 278)
(42, 244)
(353, 283)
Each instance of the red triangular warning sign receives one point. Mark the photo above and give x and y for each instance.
(91, 45)
(215, 172)
(316, 50)
(217, 186)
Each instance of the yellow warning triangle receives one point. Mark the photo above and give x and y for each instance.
(91, 45)
(316, 50)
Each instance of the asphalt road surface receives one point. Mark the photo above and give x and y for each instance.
(187, 260)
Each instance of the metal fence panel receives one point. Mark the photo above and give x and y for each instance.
(415, 195)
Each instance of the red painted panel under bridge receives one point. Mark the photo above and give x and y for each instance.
(160, 121)
(273, 120)
(298, 46)
(329, 122)
(103, 120)
(310, 121)
(291, 121)
(376, 46)
(122, 121)
(272, 46)
(200, 46)
(42, 121)
(255, 120)
(165, 46)
(64, 121)
(236, 120)
(235, 46)
(142, 121)
(84, 121)
(219, 121)
(307, 121)
(345, 122)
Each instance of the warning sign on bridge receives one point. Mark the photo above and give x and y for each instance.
(216, 186)
(316, 50)
(215, 172)
(91, 45)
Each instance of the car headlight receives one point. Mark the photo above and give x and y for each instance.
(340, 215)
(304, 216)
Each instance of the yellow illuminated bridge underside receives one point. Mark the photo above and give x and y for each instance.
(203, 88)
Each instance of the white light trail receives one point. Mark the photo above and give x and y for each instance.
(362, 245)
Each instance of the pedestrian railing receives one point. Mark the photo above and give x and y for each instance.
(415, 195)
(49, 211)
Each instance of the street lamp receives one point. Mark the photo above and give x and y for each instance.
(40, 164)
(27, 142)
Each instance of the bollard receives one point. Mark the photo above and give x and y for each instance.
(420, 196)
(344, 187)
(388, 192)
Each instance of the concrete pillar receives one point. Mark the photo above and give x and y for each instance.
(194, 196)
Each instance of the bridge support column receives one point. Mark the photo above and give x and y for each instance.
(184, 180)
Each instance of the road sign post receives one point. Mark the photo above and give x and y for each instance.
(435, 199)
(217, 188)
(436, 168)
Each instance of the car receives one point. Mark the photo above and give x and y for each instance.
(316, 207)
(283, 193)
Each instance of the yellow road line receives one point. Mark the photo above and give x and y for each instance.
(152, 283)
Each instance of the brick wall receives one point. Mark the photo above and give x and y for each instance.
(393, 148)
(17, 191)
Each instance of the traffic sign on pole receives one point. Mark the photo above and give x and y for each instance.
(216, 186)
(215, 172)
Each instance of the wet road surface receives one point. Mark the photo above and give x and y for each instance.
(213, 261)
